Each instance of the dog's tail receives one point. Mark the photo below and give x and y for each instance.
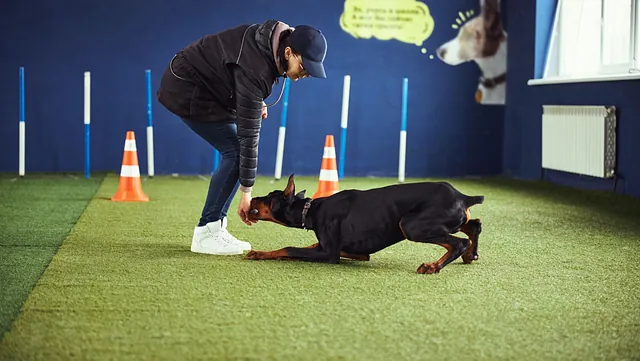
(473, 200)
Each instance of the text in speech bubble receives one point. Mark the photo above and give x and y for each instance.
(407, 21)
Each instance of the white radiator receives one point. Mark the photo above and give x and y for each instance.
(579, 139)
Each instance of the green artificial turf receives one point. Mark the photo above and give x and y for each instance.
(557, 279)
(36, 214)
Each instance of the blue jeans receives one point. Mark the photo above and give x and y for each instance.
(224, 182)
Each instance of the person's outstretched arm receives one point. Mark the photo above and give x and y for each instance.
(249, 102)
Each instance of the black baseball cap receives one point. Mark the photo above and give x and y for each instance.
(312, 45)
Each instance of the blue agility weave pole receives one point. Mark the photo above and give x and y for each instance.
(87, 124)
(343, 124)
(22, 134)
(150, 161)
(403, 131)
(282, 131)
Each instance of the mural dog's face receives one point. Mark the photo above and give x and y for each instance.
(478, 38)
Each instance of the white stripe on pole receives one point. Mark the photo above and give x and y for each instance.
(329, 175)
(403, 130)
(22, 133)
(21, 151)
(150, 166)
(130, 171)
(345, 101)
(403, 155)
(87, 124)
(343, 123)
(280, 151)
(329, 152)
(87, 97)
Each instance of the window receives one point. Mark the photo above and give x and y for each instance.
(594, 38)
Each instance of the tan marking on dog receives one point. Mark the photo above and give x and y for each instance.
(264, 214)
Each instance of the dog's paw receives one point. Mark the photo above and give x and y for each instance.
(469, 257)
(429, 268)
(254, 255)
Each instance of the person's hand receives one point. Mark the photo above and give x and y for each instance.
(243, 208)
(264, 110)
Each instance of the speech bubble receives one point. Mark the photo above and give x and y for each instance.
(408, 21)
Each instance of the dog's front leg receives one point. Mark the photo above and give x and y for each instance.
(277, 254)
(343, 254)
(329, 238)
(326, 250)
(357, 257)
(314, 253)
(280, 254)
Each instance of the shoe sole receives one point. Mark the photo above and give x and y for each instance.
(204, 251)
(243, 246)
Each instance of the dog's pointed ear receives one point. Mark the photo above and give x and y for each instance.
(301, 194)
(490, 10)
(490, 5)
(291, 187)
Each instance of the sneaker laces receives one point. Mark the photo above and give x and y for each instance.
(228, 236)
(222, 237)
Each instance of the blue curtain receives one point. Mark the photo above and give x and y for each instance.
(545, 16)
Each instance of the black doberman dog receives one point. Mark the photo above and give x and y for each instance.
(357, 223)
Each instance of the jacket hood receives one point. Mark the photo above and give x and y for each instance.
(265, 35)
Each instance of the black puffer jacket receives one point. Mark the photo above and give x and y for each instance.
(225, 82)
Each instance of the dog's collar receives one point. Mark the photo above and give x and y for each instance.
(492, 82)
(307, 205)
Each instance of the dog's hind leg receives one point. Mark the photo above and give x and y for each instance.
(472, 229)
(455, 247)
(421, 227)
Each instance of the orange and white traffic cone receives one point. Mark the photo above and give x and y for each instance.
(328, 184)
(130, 187)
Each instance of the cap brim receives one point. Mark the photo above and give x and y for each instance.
(314, 68)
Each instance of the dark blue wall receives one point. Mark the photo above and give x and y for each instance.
(56, 41)
(523, 127)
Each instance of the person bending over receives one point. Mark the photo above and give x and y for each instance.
(217, 86)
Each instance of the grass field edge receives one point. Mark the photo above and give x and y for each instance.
(56, 247)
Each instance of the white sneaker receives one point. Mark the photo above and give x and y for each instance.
(209, 239)
(245, 246)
